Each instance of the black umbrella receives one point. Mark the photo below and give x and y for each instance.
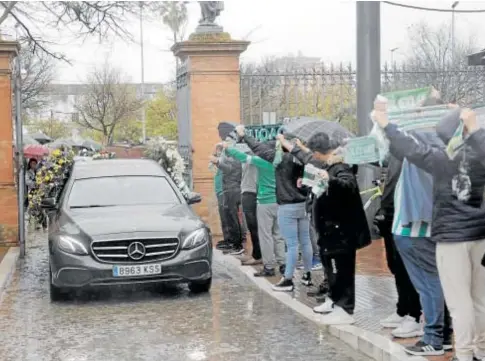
(304, 127)
(225, 129)
(91, 144)
(41, 138)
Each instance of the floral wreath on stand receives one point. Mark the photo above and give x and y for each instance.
(166, 154)
(52, 173)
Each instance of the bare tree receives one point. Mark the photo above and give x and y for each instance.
(77, 18)
(433, 62)
(36, 75)
(106, 102)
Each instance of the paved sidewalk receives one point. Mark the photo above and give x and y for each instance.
(375, 293)
(3, 252)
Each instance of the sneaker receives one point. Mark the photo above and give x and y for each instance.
(282, 269)
(236, 251)
(409, 328)
(223, 245)
(306, 279)
(284, 285)
(265, 272)
(316, 264)
(423, 349)
(338, 317)
(325, 307)
(252, 262)
(393, 321)
(244, 257)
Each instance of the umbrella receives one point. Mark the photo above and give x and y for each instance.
(41, 138)
(91, 144)
(35, 150)
(28, 140)
(62, 142)
(225, 129)
(304, 127)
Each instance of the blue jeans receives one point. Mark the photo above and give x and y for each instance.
(419, 257)
(294, 227)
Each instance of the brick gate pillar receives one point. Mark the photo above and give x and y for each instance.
(208, 92)
(8, 191)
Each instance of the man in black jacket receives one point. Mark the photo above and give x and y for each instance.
(458, 224)
(341, 224)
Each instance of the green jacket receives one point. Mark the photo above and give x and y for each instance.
(218, 182)
(266, 175)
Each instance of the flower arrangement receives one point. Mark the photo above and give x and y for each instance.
(170, 159)
(104, 155)
(51, 176)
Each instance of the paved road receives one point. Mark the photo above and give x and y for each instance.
(235, 322)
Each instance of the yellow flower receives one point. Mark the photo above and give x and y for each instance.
(56, 153)
(47, 178)
(61, 161)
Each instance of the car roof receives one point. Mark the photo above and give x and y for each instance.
(117, 167)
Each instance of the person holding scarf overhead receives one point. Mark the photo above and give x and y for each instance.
(458, 216)
(292, 218)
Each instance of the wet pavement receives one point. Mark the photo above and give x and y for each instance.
(234, 322)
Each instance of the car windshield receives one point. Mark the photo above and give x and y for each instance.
(121, 191)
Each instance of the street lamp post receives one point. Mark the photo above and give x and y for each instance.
(392, 55)
(453, 6)
(143, 115)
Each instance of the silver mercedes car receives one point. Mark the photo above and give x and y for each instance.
(123, 221)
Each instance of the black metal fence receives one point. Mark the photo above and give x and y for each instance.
(329, 92)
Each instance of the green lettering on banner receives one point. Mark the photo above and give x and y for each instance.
(264, 133)
(361, 150)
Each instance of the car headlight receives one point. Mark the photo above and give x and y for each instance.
(72, 245)
(195, 239)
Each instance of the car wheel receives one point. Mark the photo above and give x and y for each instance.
(200, 286)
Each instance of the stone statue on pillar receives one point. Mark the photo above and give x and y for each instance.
(210, 10)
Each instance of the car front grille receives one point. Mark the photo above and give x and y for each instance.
(118, 251)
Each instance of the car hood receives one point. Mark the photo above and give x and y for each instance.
(167, 219)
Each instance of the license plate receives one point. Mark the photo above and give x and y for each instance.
(138, 270)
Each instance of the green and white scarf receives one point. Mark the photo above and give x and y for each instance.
(278, 158)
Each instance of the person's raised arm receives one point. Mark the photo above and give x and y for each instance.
(262, 150)
(476, 137)
(404, 145)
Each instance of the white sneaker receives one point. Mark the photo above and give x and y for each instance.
(393, 321)
(409, 328)
(338, 317)
(325, 307)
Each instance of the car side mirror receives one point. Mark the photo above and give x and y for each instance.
(194, 198)
(48, 203)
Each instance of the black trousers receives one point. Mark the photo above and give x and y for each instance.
(340, 271)
(408, 303)
(220, 204)
(250, 206)
(232, 202)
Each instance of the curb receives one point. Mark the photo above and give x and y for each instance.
(7, 267)
(371, 344)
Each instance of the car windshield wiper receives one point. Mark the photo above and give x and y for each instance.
(93, 206)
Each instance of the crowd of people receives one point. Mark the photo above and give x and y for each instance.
(432, 219)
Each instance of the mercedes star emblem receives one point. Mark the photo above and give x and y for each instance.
(136, 251)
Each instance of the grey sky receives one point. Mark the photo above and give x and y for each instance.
(324, 29)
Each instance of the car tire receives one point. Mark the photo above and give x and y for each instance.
(200, 286)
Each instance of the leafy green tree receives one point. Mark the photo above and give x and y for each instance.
(161, 116)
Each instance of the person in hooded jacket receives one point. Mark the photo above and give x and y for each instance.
(292, 217)
(458, 219)
(341, 224)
